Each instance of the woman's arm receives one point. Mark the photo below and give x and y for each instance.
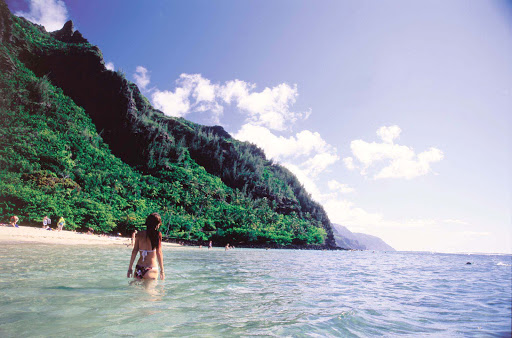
(160, 257)
(132, 259)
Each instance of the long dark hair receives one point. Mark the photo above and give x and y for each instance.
(152, 223)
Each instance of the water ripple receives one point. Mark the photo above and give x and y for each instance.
(56, 291)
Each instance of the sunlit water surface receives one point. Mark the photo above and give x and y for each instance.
(48, 290)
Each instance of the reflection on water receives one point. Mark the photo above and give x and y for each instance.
(152, 288)
(50, 290)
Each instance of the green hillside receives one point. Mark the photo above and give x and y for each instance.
(80, 141)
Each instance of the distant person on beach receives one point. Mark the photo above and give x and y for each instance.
(46, 222)
(61, 223)
(133, 237)
(14, 221)
(149, 244)
(210, 245)
(227, 247)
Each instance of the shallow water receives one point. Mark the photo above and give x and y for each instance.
(48, 290)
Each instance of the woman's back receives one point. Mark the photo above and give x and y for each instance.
(144, 241)
(148, 244)
(147, 253)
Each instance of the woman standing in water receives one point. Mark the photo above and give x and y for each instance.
(149, 244)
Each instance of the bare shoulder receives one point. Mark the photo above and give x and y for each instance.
(141, 234)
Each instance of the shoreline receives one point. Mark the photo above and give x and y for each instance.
(38, 235)
(27, 234)
(193, 243)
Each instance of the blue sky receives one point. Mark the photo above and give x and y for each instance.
(395, 115)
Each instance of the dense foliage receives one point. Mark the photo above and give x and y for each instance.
(204, 183)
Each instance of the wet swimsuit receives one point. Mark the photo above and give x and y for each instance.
(144, 253)
(140, 271)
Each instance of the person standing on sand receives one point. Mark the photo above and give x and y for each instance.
(14, 221)
(61, 223)
(149, 244)
(46, 222)
(210, 245)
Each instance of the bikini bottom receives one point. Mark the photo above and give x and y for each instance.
(140, 271)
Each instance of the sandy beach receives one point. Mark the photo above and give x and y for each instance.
(39, 235)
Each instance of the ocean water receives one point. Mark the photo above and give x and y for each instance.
(60, 291)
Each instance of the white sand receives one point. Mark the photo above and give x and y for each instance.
(10, 234)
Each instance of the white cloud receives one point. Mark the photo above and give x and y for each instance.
(399, 161)
(349, 163)
(388, 134)
(342, 211)
(339, 187)
(172, 103)
(432, 155)
(306, 153)
(270, 108)
(319, 163)
(204, 94)
(409, 168)
(306, 180)
(304, 143)
(234, 90)
(203, 89)
(369, 153)
(141, 77)
(52, 14)
(193, 93)
(110, 66)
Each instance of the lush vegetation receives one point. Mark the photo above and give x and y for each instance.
(204, 183)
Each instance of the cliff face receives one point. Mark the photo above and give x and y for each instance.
(144, 137)
(347, 239)
(106, 96)
(5, 23)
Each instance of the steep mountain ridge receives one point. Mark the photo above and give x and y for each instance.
(153, 144)
(348, 239)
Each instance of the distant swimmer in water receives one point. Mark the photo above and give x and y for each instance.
(149, 244)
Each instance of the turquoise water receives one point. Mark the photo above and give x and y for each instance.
(48, 290)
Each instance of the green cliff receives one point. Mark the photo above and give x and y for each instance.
(80, 141)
